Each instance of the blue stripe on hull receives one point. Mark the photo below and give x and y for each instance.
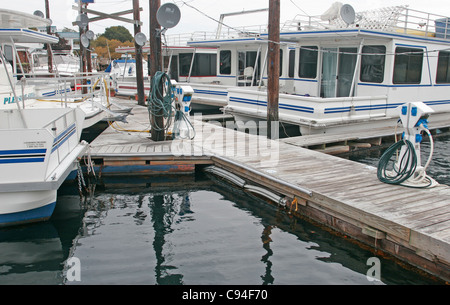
(34, 215)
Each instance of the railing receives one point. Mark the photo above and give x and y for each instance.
(227, 33)
(81, 85)
(399, 19)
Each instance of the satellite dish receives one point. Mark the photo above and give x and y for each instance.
(140, 38)
(38, 13)
(90, 34)
(347, 14)
(82, 20)
(84, 40)
(168, 15)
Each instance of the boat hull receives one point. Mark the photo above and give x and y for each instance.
(26, 207)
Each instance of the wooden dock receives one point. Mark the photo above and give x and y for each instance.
(410, 224)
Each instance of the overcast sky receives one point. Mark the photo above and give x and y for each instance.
(196, 15)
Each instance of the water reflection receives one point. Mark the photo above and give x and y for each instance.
(210, 233)
(35, 253)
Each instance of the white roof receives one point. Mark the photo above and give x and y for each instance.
(26, 36)
(13, 19)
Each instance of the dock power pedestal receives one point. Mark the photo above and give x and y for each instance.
(401, 163)
(183, 128)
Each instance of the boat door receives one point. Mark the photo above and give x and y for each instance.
(338, 69)
(249, 63)
(329, 72)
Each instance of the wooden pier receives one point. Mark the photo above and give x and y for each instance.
(410, 224)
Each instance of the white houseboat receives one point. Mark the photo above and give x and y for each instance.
(39, 148)
(342, 70)
(184, 64)
(17, 87)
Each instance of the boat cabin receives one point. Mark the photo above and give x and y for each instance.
(184, 64)
(403, 60)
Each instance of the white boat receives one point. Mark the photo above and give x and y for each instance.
(39, 148)
(63, 63)
(92, 95)
(343, 70)
(191, 66)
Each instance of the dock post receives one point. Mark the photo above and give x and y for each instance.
(273, 86)
(138, 52)
(155, 65)
(49, 51)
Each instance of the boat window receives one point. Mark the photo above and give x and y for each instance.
(204, 64)
(225, 62)
(443, 69)
(8, 51)
(291, 63)
(249, 63)
(346, 71)
(281, 62)
(372, 64)
(408, 65)
(185, 63)
(308, 62)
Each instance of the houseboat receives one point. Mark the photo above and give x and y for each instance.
(39, 148)
(19, 89)
(343, 70)
(186, 65)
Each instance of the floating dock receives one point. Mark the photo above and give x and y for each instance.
(410, 224)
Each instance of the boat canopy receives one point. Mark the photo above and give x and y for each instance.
(13, 19)
(128, 61)
(25, 36)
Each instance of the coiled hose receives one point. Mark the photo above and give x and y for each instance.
(388, 171)
(161, 107)
(406, 171)
(165, 107)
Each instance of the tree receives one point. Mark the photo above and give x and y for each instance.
(119, 33)
(101, 45)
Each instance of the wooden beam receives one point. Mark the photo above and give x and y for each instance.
(138, 56)
(114, 16)
(155, 65)
(273, 85)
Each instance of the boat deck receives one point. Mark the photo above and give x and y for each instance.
(410, 224)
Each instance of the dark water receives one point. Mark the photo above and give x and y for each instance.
(199, 231)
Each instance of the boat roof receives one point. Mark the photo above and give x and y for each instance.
(387, 23)
(26, 36)
(14, 25)
(146, 49)
(13, 19)
(329, 35)
(229, 41)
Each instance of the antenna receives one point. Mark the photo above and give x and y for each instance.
(90, 35)
(140, 38)
(347, 14)
(84, 40)
(168, 15)
(38, 13)
(82, 20)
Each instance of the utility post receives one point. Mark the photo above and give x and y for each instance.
(88, 55)
(82, 51)
(157, 119)
(273, 85)
(49, 50)
(138, 52)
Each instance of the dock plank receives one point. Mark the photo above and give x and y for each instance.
(417, 219)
